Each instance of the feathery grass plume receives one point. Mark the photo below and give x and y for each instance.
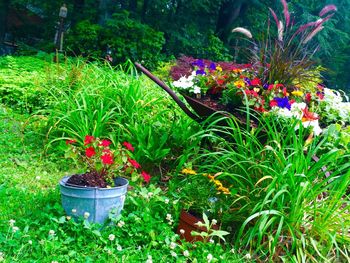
(312, 34)
(280, 31)
(286, 12)
(327, 9)
(243, 31)
(274, 17)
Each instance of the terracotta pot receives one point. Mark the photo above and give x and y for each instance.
(187, 223)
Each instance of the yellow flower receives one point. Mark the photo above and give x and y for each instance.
(224, 190)
(218, 183)
(218, 68)
(297, 93)
(188, 171)
(239, 83)
(237, 70)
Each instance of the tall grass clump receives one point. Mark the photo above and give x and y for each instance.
(116, 102)
(284, 205)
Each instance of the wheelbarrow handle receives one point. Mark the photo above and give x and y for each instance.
(169, 91)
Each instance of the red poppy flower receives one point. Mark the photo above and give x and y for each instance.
(71, 141)
(88, 139)
(105, 143)
(273, 103)
(107, 159)
(128, 146)
(256, 82)
(146, 176)
(134, 163)
(90, 152)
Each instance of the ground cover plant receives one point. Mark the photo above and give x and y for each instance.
(261, 185)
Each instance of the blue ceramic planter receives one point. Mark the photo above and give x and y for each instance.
(93, 203)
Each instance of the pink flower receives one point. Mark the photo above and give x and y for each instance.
(105, 143)
(134, 163)
(90, 152)
(146, 176)
(88, 139)
(128, 146)
(107, 159)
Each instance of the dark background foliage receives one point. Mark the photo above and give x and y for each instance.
(158, 30)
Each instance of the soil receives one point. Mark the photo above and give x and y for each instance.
(90, 179)
(211, 103)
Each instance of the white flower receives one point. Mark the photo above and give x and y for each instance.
(166, 201)
(214, 222)
(119, 247)
(86, 215)
(173, 254)
(184, 82)
(211, 241)
(37, 178)
(150, 194)
(111, 237)
(315, 126)
(12, 222)
(121, 223)
(175, 202)
(186, 253)
(74, 210)
(248, 256)
(68, 218)
(168, 217)
(54, 261)
(210, 257)
(149, 259)
(15, 229)
(51, 232)
(182, 231)
(30, 242)
(172, 245)
(196, 90)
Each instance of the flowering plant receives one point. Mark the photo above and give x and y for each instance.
(279, 79)
(103, 162)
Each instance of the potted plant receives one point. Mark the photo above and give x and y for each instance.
(102, 189)
(201, 194)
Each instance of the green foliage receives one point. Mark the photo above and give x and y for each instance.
(84, 40)
(133, 40)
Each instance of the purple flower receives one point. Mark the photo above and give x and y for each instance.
(212, 66)
(200, 72)
(199, 63)
(247, 81)
(266, 85)
(283, 102)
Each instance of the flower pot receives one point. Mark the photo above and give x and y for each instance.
(93, 203)
(187, 223)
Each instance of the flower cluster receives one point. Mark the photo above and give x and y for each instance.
(240, 85)
(99, 156)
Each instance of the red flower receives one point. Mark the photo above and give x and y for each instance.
(271, 86)
(291, 102)
(320, 95)
(128, 146)
(88, 139)
(70, 141)
(107, 159)
(220, 81)
(279, 85)
(146, 176)
(134, 163)
(273, 103)
(309, 116)
(90, 152)
(105, 143)
(284, 90)
(260, 109)
(308, 97)
(256, 82)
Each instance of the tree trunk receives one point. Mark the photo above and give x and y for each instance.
(229, 12)
(4, 7)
